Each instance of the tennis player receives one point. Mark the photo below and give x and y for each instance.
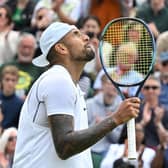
(53, 128)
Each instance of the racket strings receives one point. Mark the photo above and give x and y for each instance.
(127, 50)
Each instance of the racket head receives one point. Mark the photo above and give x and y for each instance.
(127, 43)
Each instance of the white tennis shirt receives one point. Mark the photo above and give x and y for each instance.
(53, 93)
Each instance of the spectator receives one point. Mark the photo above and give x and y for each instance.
(155, 14)
(22, 11)
(161, 158)
(28, 72)
(8, 37)
(7, 147)
(117, 156)
(164, 79)
(99, 107)
(10, 103)
(43, 18)
(122, 71)
(91, 26)
(149, 110)
(162, 56)
(68, 11)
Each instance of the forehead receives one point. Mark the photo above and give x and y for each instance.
(3, 10)
(152, 81)
(9, 76)
(27, 40)
(72, 32)
(42, 10)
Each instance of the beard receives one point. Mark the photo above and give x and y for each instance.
(90, 54)
(86, 55)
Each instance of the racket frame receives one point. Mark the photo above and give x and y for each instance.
(131, 123)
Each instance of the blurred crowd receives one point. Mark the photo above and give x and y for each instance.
(21, 24)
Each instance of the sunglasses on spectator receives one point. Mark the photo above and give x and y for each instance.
(165, 63)
(147, 87)
(2, 15)
(12, 138)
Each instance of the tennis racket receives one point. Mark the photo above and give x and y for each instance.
(127, 54)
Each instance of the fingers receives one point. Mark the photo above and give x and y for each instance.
(134, 100)
(128, 109)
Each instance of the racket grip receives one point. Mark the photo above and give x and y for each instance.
(131, 139)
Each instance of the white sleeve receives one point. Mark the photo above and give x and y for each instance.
(59, 95)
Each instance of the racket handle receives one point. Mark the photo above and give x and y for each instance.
(131, 139)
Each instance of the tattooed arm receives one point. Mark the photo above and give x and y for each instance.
(69, 142)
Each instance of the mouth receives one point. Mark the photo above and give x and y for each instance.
(90, 46)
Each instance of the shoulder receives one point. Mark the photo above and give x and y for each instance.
(55, 81)
(18, 100)
(143, 10)
(56, 74)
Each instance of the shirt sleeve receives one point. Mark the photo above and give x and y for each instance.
(59, 95)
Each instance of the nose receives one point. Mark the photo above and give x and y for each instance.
(85, 37)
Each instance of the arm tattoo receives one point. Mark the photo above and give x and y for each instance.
(69, 142)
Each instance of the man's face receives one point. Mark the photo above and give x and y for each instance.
(164, 72)
(43, 18)
(157, 4)
(91, 26)
(151, 89)
(26, 50)
(78, 46)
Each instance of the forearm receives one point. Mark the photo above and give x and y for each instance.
(73, 142)
(65, 18)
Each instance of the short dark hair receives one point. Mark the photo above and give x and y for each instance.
(8, 12)
(51, 57)
(9, 69)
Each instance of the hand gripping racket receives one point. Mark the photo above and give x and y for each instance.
(127, 54)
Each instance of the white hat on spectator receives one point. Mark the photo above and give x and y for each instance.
(52, 34)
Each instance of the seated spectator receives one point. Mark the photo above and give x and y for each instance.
(99, 107)
(8, 37)
(43, 18)
(162, 56)
(155, 14)
(117, 156)
(120, 70)
(68, 11)
(10, 103)
(22, 11)
(90, 25)
(149, 110)
(28, 72)
(161, 158)
(7, 147)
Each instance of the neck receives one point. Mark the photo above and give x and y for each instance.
(75, 70)
(5, 93)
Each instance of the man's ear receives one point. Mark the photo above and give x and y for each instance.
(61, 48)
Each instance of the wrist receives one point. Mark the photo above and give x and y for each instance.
(112, 122)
